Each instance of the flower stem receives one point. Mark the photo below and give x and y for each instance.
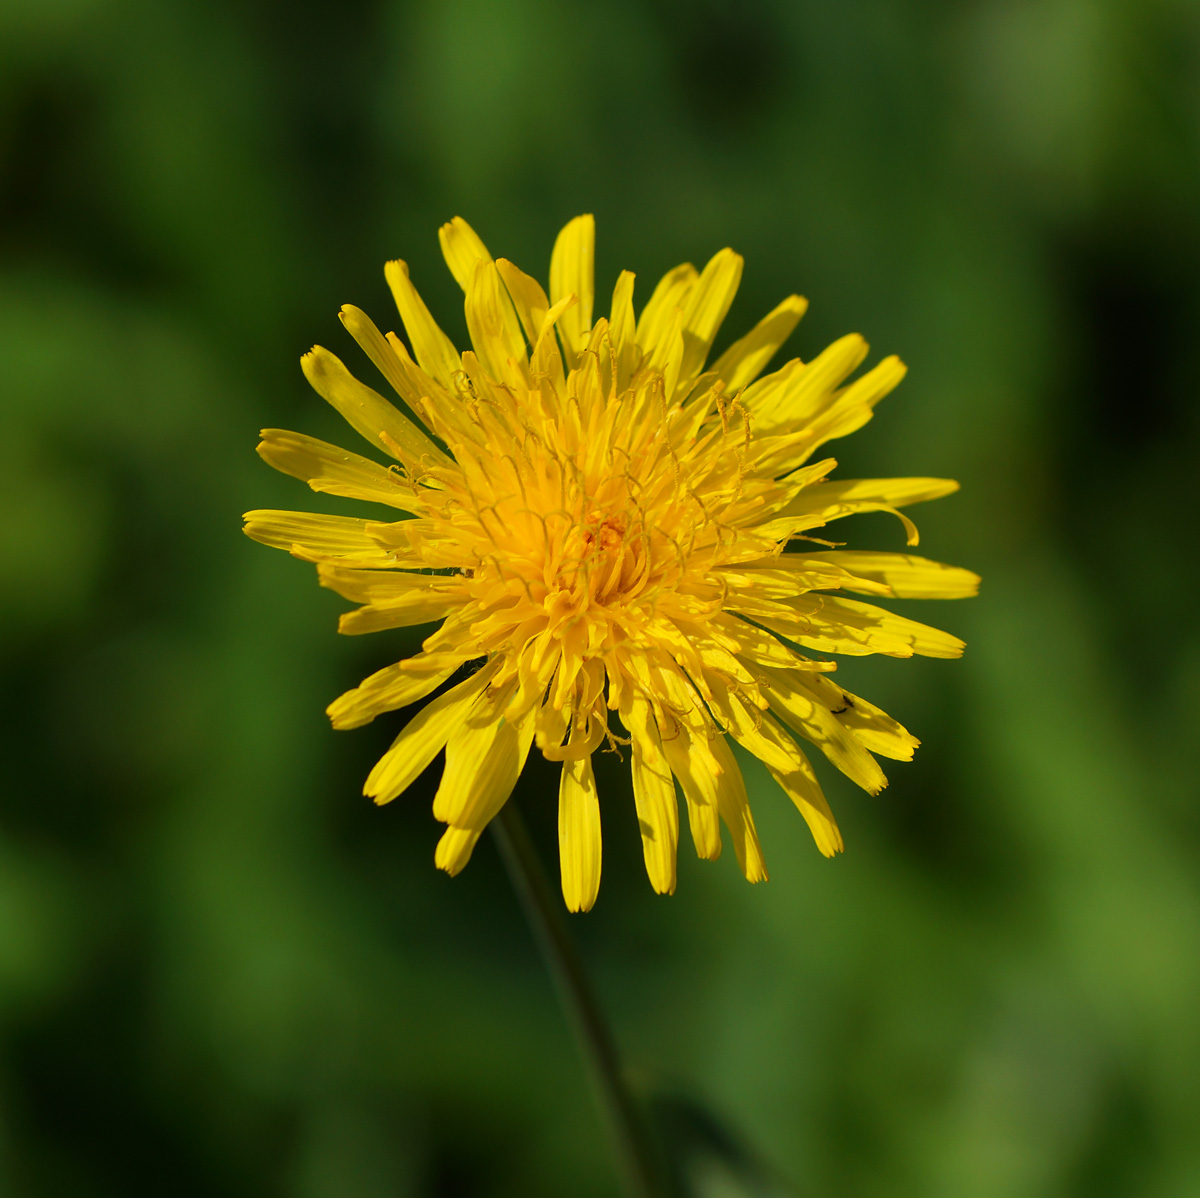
(634, 1144)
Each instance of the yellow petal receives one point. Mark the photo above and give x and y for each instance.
(683, 711)
(545, 361)
(836, 625)
(493, 326)
(706, 647)
(393, 687)
(424, 737)
(760, 647)
(734, 807)
(433, 349)
(707, 305)
(874, 729)
(367, 411)
(409, 541)
(413, 607)
(462, 248)
(483, 762)
(377, 347)
(455, 848)
(387, 586)
(801, 711)
(484, 759)
(336, 471)
(653, 795)
(802, 788)
(907, 576)
(527, 296)
(550, 726)
(851, 407)
(588, 731)
(790, 580)
(823, 502)
(667, 356)
(755, 732)
(699, 784)
(825, 417)
(848, 495)
(572, 271)
(440, 406)
(671, 293)
(748, 357)
(877, 626)
(789, 399)
(622, 328)
(579, 849)
(316, 537)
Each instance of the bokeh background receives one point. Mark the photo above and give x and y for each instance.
(223, 972)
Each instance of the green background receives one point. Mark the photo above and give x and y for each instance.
(223, 972)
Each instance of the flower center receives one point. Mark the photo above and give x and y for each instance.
(604, 533)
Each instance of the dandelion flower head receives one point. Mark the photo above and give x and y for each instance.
(618, 538)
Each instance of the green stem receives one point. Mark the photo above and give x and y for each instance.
(543, 908)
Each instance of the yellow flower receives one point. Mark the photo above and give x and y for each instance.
(602, 525)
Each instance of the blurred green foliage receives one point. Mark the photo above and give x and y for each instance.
(223, 972)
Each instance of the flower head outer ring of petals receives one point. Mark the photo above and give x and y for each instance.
(620, 544)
